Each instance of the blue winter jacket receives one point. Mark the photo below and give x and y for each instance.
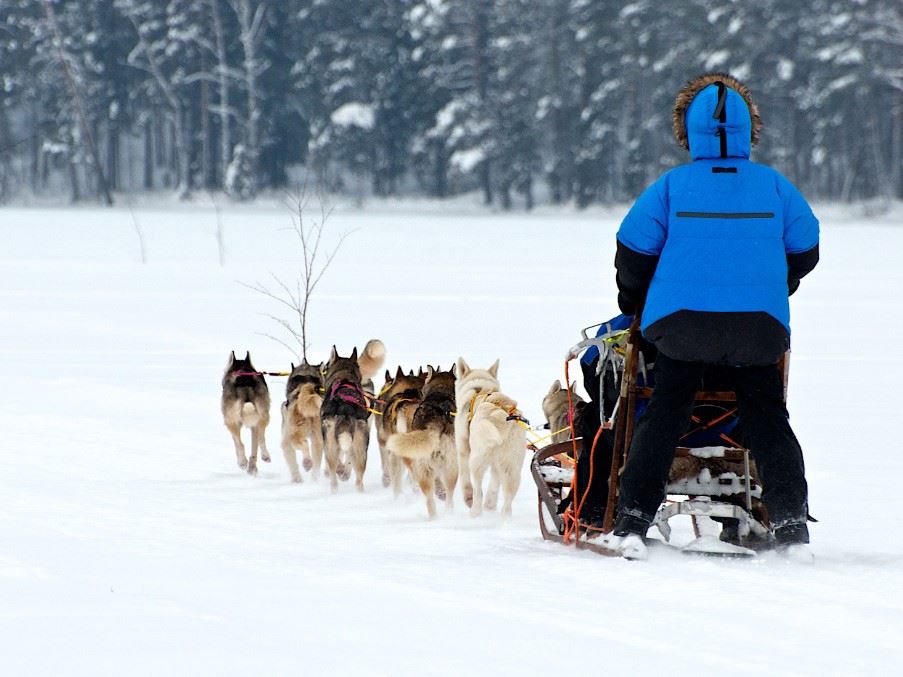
(720, 231)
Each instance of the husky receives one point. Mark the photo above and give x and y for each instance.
(469, 383)
(555, 407)
(301, 428)
(246, 402)
(400, 398)
(428, 449)
(344, 418)
(498, 443)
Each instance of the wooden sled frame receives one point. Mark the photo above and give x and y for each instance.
(552, 480)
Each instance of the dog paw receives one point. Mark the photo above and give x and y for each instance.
(265, 458)
(296, 479)
(468, 496)
(307, 463)
(440, 491)
(490, 503)
(242, 463)
(343, 472)
(360, 485)
(386, 479)
(252, 469)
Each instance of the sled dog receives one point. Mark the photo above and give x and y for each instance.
(498, 443)
(428, 449)
(246, 403)
(469, 383)
(344, 419)
(555, 407)
(400, 398)
(301, 428)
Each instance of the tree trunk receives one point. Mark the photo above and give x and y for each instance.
(225, 137)
(896, 145)
(6, 153)
(207, 178)
(249, 21)
(113, 155)
(35, 174)
(148, 154)
(182, 138)
(75, 191)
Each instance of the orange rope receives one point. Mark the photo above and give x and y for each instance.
(572, 516)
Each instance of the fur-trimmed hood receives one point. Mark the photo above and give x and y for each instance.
(714, 115)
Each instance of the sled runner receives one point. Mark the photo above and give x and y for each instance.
(712, 478)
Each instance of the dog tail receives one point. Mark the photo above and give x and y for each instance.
(371, 359)
(415, 444)
(250, 417)
(491, 418)
(308, 401)
(344, 438)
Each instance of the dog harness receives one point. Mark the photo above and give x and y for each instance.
(349, 392)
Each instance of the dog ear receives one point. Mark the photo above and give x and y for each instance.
(573, 385)
(354, 354)
(556, 386)
(399, 373)
(293, 366)
(388, 376)
(420, 371)
(494, 369)
(247, 356)
(463, 367)
(429, 373)
(452, 370)
(334, 354)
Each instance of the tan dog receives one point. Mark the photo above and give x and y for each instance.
(399, 402)
(555, 407)
(469, 384)
(246, 403)
(428, 450)
(498, 443)
(301, 428)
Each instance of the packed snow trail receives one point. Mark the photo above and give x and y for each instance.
(132, 542)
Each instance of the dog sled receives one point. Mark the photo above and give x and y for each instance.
(713, 480)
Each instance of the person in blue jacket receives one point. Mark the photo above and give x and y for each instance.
(709, 255)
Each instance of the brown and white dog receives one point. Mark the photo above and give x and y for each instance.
(344, 417)
(246, 403)
(428, 448)
(301, 428)
(399, 400)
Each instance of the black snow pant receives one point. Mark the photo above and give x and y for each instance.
(766, 432)
(592, 489)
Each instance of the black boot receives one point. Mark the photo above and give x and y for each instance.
(631, 524)
(791, 533)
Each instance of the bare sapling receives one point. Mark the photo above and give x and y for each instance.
(315, 261)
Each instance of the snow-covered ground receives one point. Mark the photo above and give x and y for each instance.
(131, 543)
